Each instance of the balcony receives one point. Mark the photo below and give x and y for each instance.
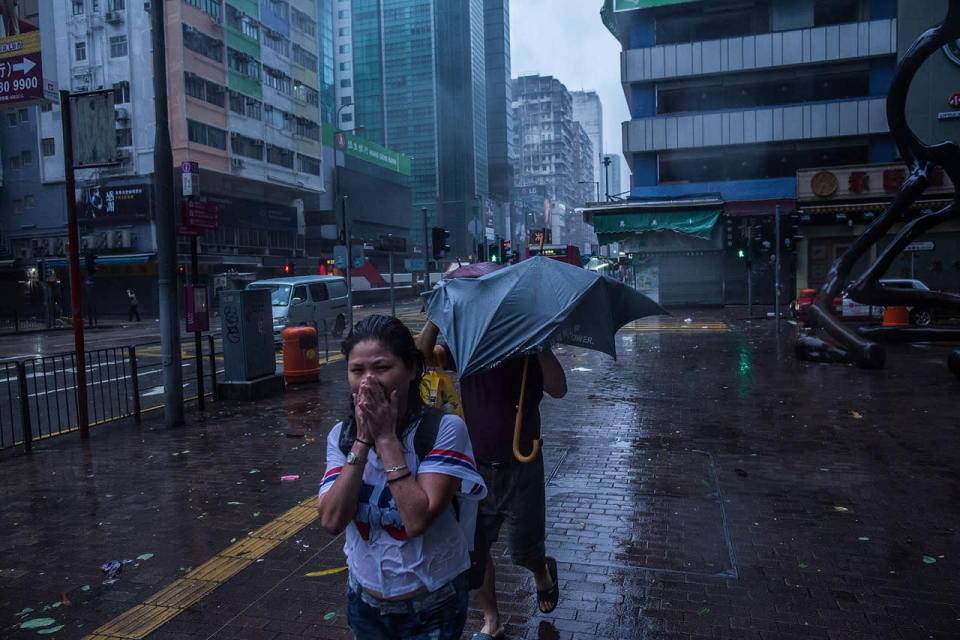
(764, 51)
(863, 116)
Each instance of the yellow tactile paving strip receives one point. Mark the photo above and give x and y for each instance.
(162, 606)
(658, 324)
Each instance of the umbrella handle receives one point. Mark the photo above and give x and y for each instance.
(519, 419)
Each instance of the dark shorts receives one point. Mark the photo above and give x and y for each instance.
(515, 496)
(439, 615)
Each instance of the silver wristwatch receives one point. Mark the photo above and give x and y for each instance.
(352, 459)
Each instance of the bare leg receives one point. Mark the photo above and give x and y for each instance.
(541, 573)
(486, 598)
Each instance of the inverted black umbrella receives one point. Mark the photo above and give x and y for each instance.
(527, 307)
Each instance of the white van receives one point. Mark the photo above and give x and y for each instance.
(316, 301)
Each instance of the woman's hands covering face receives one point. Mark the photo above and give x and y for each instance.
(376, 410)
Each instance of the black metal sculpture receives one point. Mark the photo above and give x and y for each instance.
(862, 347)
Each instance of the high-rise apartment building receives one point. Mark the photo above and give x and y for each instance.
(243, 80)
(552, 153)
(728, 100)
(588, 111)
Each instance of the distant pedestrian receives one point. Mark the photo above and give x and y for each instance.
(133, 312)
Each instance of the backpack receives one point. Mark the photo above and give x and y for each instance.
(423, 441)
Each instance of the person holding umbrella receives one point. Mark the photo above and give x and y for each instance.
(406, 551)
(516, 493)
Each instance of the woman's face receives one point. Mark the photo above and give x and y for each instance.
(371, 361)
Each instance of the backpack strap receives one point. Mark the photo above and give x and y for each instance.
(423, 439)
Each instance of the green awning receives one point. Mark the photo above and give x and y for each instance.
(695, 223)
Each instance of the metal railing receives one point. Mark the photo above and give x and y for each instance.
(38, 397)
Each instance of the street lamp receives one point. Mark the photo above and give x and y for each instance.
(594, 182)
(339, 143)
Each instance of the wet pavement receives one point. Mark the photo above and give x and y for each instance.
(704, 485)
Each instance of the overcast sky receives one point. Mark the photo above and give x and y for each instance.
(567, 40)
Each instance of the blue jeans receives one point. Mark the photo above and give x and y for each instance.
(438, 615)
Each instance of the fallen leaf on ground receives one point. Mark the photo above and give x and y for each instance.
(325, 572)
(929, 559)
(330, 616)
(36, 623)
(855, 415)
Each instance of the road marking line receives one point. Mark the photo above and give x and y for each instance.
(158, 609)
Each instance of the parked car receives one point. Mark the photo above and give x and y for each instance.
(316, 301)
(850, 309)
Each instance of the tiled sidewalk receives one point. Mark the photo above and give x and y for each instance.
(704, 485)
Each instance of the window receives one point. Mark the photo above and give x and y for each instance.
(203, 44)
(17, 206)
(306, 164)
(12, 118)
(247, 147)
(344, 48)
(346, 100)
(29, 202)
(278, 80)
(303, 22)
(121, 92)
(300, 291)
(346, 83)
(118, 46)
(346, 117)
(77, 7)
(115, 5)
(276, 41)
(280, 156)
(26, 158)
(193, 85)
(243, 23)
(344, 66)
(48, 147)
(80, 51)
(304, 58)
(207, 135)
(216, 94)
(212, 8)
(14, 162)
(318, 291)
(46, 107)
(279, 119)
(343, 31)
(343, 14)
(306, 93)
(24, 115)
(278, 8)
(308, 129)
(242, 63)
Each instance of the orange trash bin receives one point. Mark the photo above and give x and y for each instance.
(896, 317)
(300, 357)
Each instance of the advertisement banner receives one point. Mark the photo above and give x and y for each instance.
(21, 71)
(253, 214)
(114, 204)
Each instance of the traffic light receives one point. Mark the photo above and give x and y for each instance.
(287, 269)
(505, 252)
(492, 251)
(792, 232)
(91, 262)
(439, 237)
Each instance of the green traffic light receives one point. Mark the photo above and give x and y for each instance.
(741, 253)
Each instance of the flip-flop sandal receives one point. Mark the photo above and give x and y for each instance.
(547, 600)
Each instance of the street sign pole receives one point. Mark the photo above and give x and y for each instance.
(75, 289)
(346, 232)
(393, 300)
(776, 276)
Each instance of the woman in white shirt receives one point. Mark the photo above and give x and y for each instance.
(406, 549)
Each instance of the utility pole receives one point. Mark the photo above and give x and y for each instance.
(346, 232)
(166, 237)
(426, 251)
(776, 275)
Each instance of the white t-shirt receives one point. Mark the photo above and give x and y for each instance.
(380, 555)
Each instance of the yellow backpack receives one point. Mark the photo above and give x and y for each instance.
(438, 390)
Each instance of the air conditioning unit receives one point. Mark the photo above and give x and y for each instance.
(88, 241)
(121, 239)
(113, 17)
(59, 246)
(236, 163)
(121, 114)
(102, 240)
(123, 154)
(24, 253)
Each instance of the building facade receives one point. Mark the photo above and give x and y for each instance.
(728, 100)
(552, 156)
(588, 111)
